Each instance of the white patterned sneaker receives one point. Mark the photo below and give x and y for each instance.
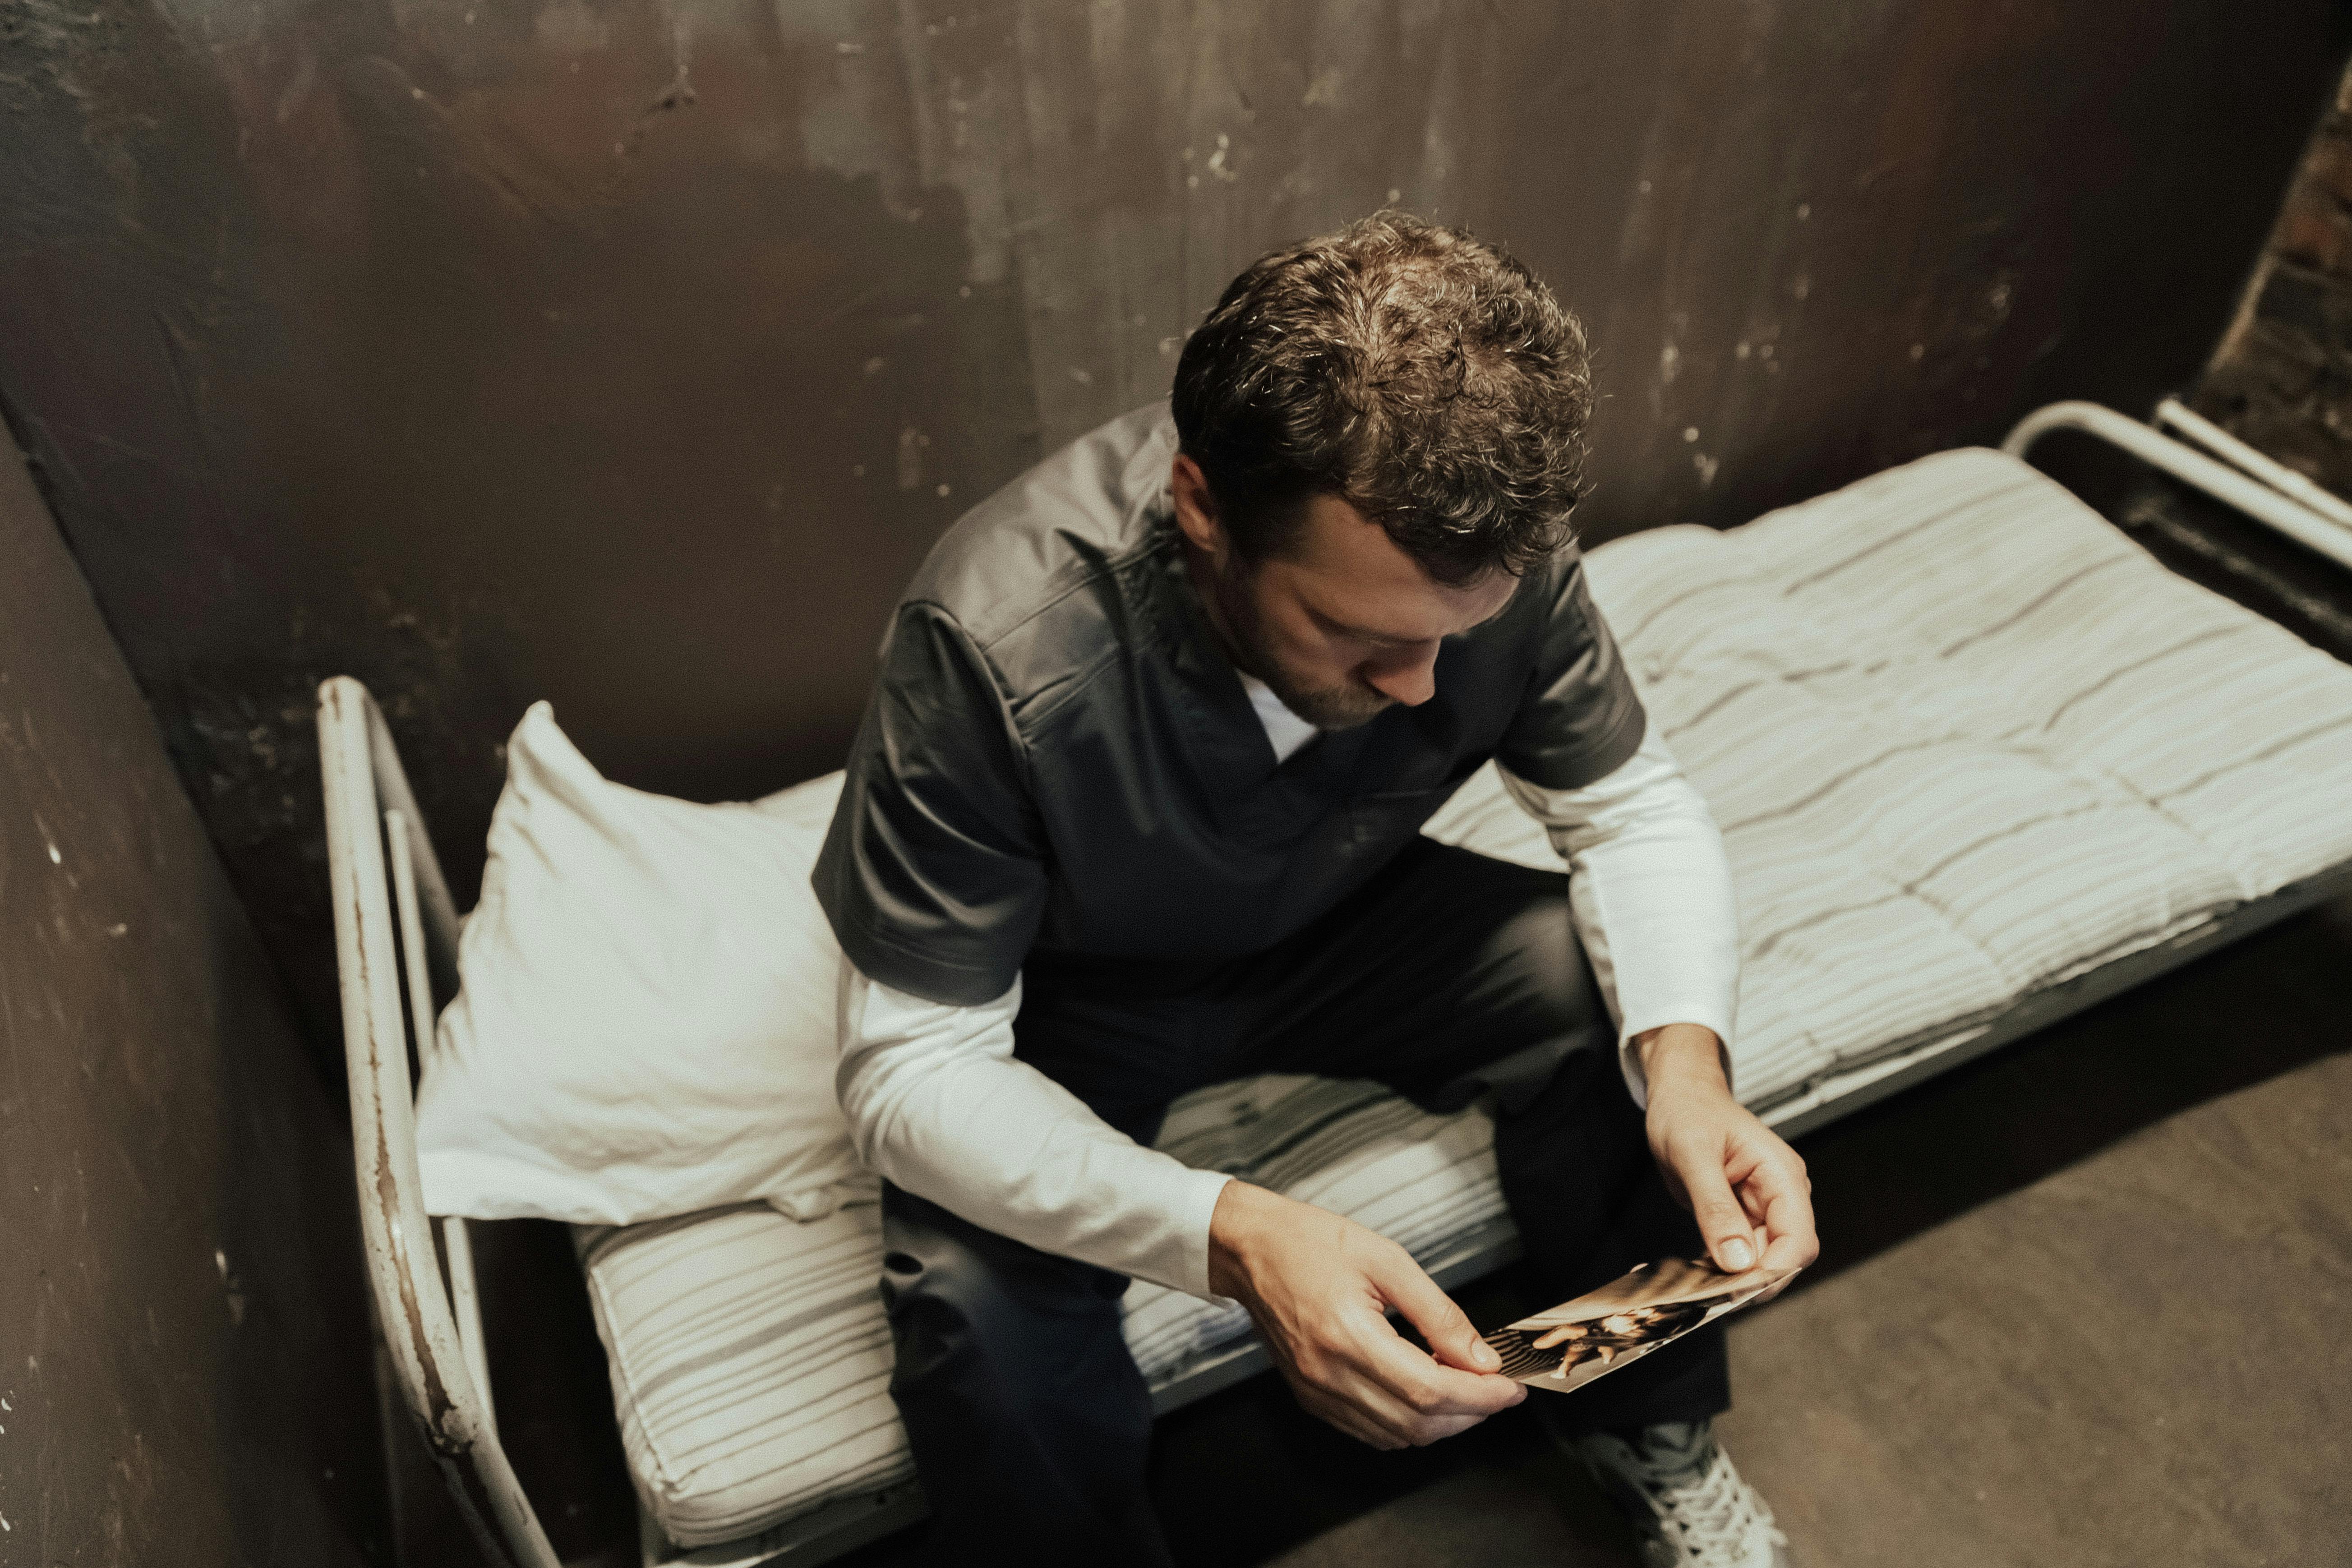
(1678, 1487)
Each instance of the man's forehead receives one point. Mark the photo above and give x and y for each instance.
(1347, 569)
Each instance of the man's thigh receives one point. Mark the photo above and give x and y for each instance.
(1029, 1421)
(1450, 974)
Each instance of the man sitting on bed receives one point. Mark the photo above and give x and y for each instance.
(1135, 807)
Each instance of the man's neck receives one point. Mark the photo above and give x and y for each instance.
(1200, 573)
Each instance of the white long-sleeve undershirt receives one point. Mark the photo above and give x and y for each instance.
(938, 1103)
(1651, 893)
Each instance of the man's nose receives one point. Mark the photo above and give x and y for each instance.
(1408, 675)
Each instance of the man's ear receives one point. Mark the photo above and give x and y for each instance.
(1196, 510)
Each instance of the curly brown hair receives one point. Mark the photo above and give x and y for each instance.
(1412, 370)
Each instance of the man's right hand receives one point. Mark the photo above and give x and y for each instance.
(1320, 1288)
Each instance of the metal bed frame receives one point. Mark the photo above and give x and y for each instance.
(396, 953)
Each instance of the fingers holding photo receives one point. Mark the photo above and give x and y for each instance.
(1319, 1289)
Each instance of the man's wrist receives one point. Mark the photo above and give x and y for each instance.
(1237, 1222)
(1681, 1057)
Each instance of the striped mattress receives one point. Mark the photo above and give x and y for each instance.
(1966, 743)
(750, 1362)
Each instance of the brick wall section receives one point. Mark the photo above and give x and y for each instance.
(2282, 377)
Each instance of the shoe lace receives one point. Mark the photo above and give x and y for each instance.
(1715, 1515)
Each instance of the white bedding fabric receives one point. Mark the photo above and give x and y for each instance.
(646, 1026)
(1964, 740)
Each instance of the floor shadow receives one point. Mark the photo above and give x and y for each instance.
(2238, 1017)
(555, 1402)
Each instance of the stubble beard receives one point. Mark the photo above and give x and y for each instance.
(1326, 706)
(1331, 707)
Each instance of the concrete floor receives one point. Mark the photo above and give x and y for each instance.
(2140, 1359)
(2084, 1302)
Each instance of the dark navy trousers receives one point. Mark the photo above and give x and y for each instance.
(1449, 975)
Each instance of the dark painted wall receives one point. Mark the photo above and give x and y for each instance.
(184, 1373)
(629, 352)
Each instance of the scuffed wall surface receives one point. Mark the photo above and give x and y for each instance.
(630, 352)
(183, 1343)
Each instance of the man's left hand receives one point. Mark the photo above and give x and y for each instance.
(1740, 1179)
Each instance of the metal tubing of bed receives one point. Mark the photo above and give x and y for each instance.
(428, 936)
(412, 1309)
(2283, 514)
(438, 909)
(456, 1241)
(466, 1301)
(2261, 465)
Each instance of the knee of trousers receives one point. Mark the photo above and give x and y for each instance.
(1552, 974)
(1022, 1340)
(1529, 981)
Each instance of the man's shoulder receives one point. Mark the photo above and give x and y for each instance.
(1550, 597)
(1039, 552)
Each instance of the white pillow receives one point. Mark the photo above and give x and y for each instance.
(645, 1024)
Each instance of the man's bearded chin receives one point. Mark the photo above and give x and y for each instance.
(1331, 707)
(1327, 706)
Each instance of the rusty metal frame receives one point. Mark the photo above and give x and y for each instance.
(2172, 412)
(369, 809)
(397, 930)
(2263, 490)
(407, 847)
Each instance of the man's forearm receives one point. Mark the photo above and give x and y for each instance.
(1745, 1186)
(938, 1104)
(1651, 892)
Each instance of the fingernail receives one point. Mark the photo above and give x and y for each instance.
(1737, 1256)
(1483, 1355)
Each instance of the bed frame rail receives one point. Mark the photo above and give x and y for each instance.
(2261, 486)
(429, 1325)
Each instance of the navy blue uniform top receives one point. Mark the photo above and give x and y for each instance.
(1058, 757)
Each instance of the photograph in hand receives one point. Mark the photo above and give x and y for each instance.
(1572, 1344)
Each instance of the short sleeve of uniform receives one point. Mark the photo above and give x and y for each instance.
(933, 872)
(1581, 717)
